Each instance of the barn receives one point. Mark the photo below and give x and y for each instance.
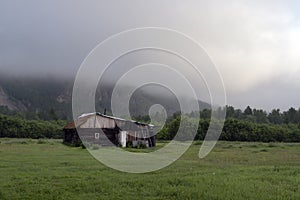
(97, 128)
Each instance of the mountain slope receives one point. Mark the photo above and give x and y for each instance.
(48, 98)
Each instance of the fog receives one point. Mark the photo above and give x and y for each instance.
(254, 44)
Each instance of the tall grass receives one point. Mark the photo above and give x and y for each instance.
(50, 170)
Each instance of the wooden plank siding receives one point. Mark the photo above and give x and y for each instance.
(105, 130)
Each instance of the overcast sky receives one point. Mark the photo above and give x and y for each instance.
(255, 44)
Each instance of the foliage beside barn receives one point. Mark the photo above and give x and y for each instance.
(18, 127)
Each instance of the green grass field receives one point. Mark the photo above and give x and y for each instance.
(32, 169)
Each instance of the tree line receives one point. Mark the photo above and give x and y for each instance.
(247, 125)
(251, 125)
(18, 127)
(260, 116)
(239, 130)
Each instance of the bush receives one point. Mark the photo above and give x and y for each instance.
(17, 127)
(95, 147)
(141, 145)
(40, 141)
(129, 144)
(83, 146)
(198, 143)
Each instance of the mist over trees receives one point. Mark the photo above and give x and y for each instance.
(260, 116)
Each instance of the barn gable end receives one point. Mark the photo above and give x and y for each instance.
(103, 126)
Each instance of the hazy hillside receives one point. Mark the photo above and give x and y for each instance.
(52, 98)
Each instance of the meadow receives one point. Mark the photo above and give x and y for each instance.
(47, 169)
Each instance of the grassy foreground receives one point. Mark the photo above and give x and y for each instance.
(32, 169)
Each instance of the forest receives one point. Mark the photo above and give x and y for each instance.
(252, 125)
(17, 127)
(240, 125)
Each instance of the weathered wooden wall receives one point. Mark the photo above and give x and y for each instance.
(108, 129)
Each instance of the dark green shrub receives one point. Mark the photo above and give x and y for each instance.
(198, 143)
(141, 145)
(129, 144)
(40, 141)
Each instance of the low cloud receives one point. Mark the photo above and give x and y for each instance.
(255, 44)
